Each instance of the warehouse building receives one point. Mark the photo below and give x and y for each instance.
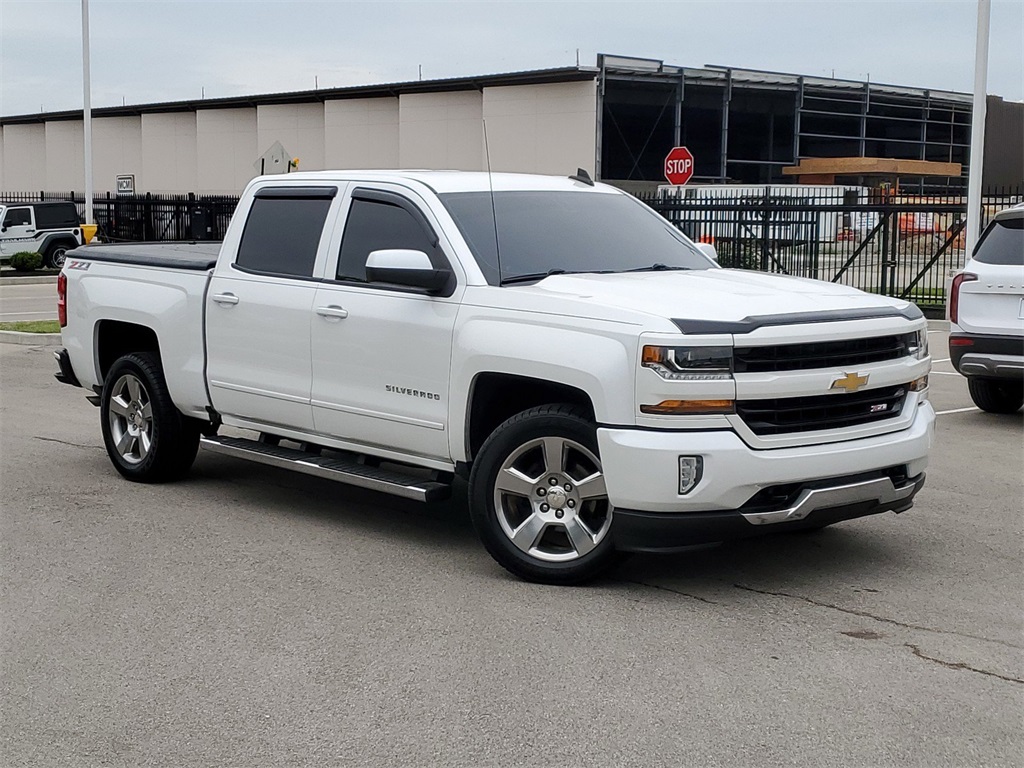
(616, 120)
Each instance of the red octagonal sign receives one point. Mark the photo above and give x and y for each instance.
(679, 166)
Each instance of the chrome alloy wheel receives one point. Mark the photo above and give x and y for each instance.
(131, 419)
(551, 499)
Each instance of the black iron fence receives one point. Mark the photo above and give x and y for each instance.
(147, 217)
(896, 245)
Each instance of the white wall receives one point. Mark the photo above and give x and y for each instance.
(299, 128)
(360, 133)
(225, 149)
(24, 157)
(441, 131)
(2, 187)
(168, 153)
(548, 128)
(65, 156)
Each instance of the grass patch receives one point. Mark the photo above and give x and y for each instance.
(32, 326)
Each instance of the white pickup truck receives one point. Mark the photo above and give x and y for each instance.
(604, 386)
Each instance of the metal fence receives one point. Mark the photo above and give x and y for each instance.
(896, 245)
(147, 217)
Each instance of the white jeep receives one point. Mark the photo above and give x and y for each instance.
(51, 229)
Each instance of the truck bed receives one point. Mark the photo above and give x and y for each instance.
(195, 256)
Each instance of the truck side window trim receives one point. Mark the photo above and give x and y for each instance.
(291, 193)
(284, 275)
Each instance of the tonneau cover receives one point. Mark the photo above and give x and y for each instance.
(196, 256)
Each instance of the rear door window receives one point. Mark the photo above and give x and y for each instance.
(282, 232)
(1002, 243)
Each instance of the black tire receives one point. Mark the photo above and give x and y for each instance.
(147, 438)
(582, 512)
(56, 255)
(996, 395)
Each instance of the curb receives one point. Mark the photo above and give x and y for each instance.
(30, 339)
(38, 280)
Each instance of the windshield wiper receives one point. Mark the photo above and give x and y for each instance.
(539, 275)
(656, 267)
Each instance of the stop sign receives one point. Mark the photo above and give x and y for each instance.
(679, 166)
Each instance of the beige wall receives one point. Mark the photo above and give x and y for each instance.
(360, 133)
(65, 156)
(441, 131)
(531, 129)
(299, 128)
(542, 128)
(116, 150)
(24, 158)
(168, 153)
(225, 149)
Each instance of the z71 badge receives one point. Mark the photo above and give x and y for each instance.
(78, 264)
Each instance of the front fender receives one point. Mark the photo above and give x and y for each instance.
(571, 351)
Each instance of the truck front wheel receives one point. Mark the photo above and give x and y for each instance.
(147, 438)
(538, 499)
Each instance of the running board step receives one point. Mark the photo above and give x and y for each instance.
(333, 468)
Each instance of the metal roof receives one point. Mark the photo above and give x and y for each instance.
(475, 83)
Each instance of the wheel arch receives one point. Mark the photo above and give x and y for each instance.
(495, 397)
(116, 338)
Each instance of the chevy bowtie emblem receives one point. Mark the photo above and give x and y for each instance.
(851, 382)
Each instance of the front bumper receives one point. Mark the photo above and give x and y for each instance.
(998, 357)
(744, 491)
(660, 532)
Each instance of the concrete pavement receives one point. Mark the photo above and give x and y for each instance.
(251, 617)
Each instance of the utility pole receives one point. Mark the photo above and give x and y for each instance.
(977, 158)
(87, 112)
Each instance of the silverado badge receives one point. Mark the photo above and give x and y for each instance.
(851, 382)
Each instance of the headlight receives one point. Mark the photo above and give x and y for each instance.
(917, 344)
(689, 363)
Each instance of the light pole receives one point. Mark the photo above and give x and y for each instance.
(977, 158)
(87, 111)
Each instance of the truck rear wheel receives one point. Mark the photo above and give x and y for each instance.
(996, 395)
(147, 438)
(538, 499)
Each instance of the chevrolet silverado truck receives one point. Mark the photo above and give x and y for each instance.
(600, 382)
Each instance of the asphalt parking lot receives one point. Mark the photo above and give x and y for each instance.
(250, 617)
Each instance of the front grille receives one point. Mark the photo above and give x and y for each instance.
(848, 353)
(805, 414)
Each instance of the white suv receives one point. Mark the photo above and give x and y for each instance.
(986, 313)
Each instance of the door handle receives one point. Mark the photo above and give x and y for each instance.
(225, 298)
(332, 311)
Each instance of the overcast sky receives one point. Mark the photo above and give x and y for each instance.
(162, 50)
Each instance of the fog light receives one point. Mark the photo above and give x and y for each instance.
(691, 469)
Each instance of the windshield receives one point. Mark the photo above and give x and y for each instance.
(541, 233)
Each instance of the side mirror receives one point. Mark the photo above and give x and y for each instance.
(400, 266)
(708, 250)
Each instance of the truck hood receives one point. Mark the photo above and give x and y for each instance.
(712, 295)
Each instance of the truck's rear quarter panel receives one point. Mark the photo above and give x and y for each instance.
(168, 300)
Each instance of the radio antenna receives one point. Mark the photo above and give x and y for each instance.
(494, 213)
